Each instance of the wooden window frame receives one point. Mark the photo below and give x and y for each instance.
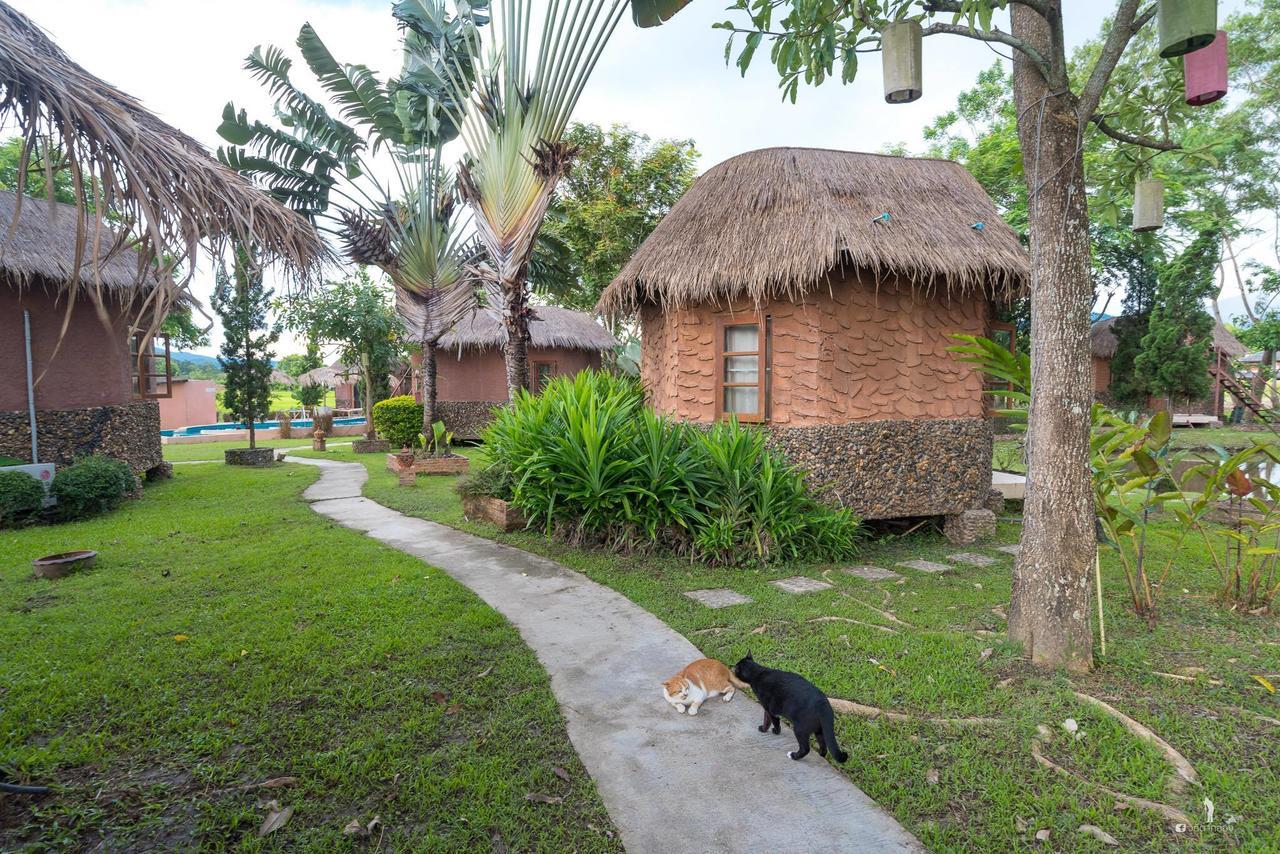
(142, 354)
(555, 368)
(761, 323)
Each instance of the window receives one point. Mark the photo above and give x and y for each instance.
(1004, 334)
(742, 365)
(542, 374)
(152, 368)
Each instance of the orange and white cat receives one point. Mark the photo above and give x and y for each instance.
(699, 682)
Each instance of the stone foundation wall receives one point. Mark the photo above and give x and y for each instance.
(466, 419)
(130, 433)
(894, 468)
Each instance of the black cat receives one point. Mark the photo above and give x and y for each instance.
(790, 695)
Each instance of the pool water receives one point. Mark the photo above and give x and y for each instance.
(206, 429)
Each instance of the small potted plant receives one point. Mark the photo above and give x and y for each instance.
(440, 458)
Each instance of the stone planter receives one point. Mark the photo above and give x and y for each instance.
(370, 446)
(249, 456)
(452, 464)
(481, 508)
(56, 566)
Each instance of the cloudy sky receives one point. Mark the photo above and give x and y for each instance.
(182, 59)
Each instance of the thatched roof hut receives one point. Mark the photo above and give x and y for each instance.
(163, 184)
(1103, 342)
(776, 222)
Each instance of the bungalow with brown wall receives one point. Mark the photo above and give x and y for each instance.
(815, 292)
(471, 374)
(1224, 349)
(87, 397)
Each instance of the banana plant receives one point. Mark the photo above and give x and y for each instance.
(512, 122)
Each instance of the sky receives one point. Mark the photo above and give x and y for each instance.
(183, 59)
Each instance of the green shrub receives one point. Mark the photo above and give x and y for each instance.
(492, 481)
(399, 421)
(91, 486)
(322, 419)
(585, 458)
(21, 497)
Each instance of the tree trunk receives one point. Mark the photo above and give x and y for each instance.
(1049, 607)
(366, 371)
(515, 316)
(1260, 382)
(428, 394)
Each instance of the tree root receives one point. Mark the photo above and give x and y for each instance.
(1182, 678)
(1181, 766)
(888, 615)
(891, 631)
(1170, 813)
(848, 707)
(1257, 715)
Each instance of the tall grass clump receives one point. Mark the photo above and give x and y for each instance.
(586, 460)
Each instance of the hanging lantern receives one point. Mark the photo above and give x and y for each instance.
(1148, 205)
(1186, 25)
(1204, 72)
(901, 48)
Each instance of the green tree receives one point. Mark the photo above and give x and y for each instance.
(356, 316)
(183, 331)
(621, 185)
(297, 364)
(242, 303)
(34, 183)
(1175, 351)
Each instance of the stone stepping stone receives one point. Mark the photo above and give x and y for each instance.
(1010, 549)
(870, 573)
(971, 559)
(800, 584)
(719, 597)
(926, 565)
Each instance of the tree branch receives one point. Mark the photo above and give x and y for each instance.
(1126, 24)
(1000, 38)
(1133, 139)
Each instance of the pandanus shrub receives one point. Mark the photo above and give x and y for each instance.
(586, 459)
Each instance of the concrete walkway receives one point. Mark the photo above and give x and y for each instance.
(671, 782)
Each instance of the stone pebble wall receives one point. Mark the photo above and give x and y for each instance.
(466, 419)
(894, 468)
(850, 350)
(130, 433)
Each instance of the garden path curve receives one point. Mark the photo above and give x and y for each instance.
(670, 782)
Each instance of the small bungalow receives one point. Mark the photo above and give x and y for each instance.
(815, 292)
(1225, 349)
(471, 374)
(84, 391)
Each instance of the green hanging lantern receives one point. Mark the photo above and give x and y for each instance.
(1186, 25)
(901, 51)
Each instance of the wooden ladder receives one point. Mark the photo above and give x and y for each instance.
(1241, 393)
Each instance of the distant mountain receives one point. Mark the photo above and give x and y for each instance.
(194, 358)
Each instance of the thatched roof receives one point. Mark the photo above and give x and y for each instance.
(163, 184)
(1103, 342)
(42, 249)
(551, 326)
(775, 222)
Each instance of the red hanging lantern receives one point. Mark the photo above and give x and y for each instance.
(1204, 72)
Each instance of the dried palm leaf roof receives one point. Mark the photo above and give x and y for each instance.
(777, 221)
(1103, 342)
(162, 183)
(551, 326)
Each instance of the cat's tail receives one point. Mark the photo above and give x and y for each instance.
(738, 683)
(828, 721)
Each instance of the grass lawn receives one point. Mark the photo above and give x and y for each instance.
(213, 450)
(229, 636)
(989, 794)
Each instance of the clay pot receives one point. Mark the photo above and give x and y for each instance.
(64, 563)
(405, 458)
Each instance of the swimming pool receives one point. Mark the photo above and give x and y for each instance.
(207, 429)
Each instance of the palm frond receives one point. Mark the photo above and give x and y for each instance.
(365, 101)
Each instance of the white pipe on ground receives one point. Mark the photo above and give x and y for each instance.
(31, 388)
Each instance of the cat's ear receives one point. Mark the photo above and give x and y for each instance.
(749, 658)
